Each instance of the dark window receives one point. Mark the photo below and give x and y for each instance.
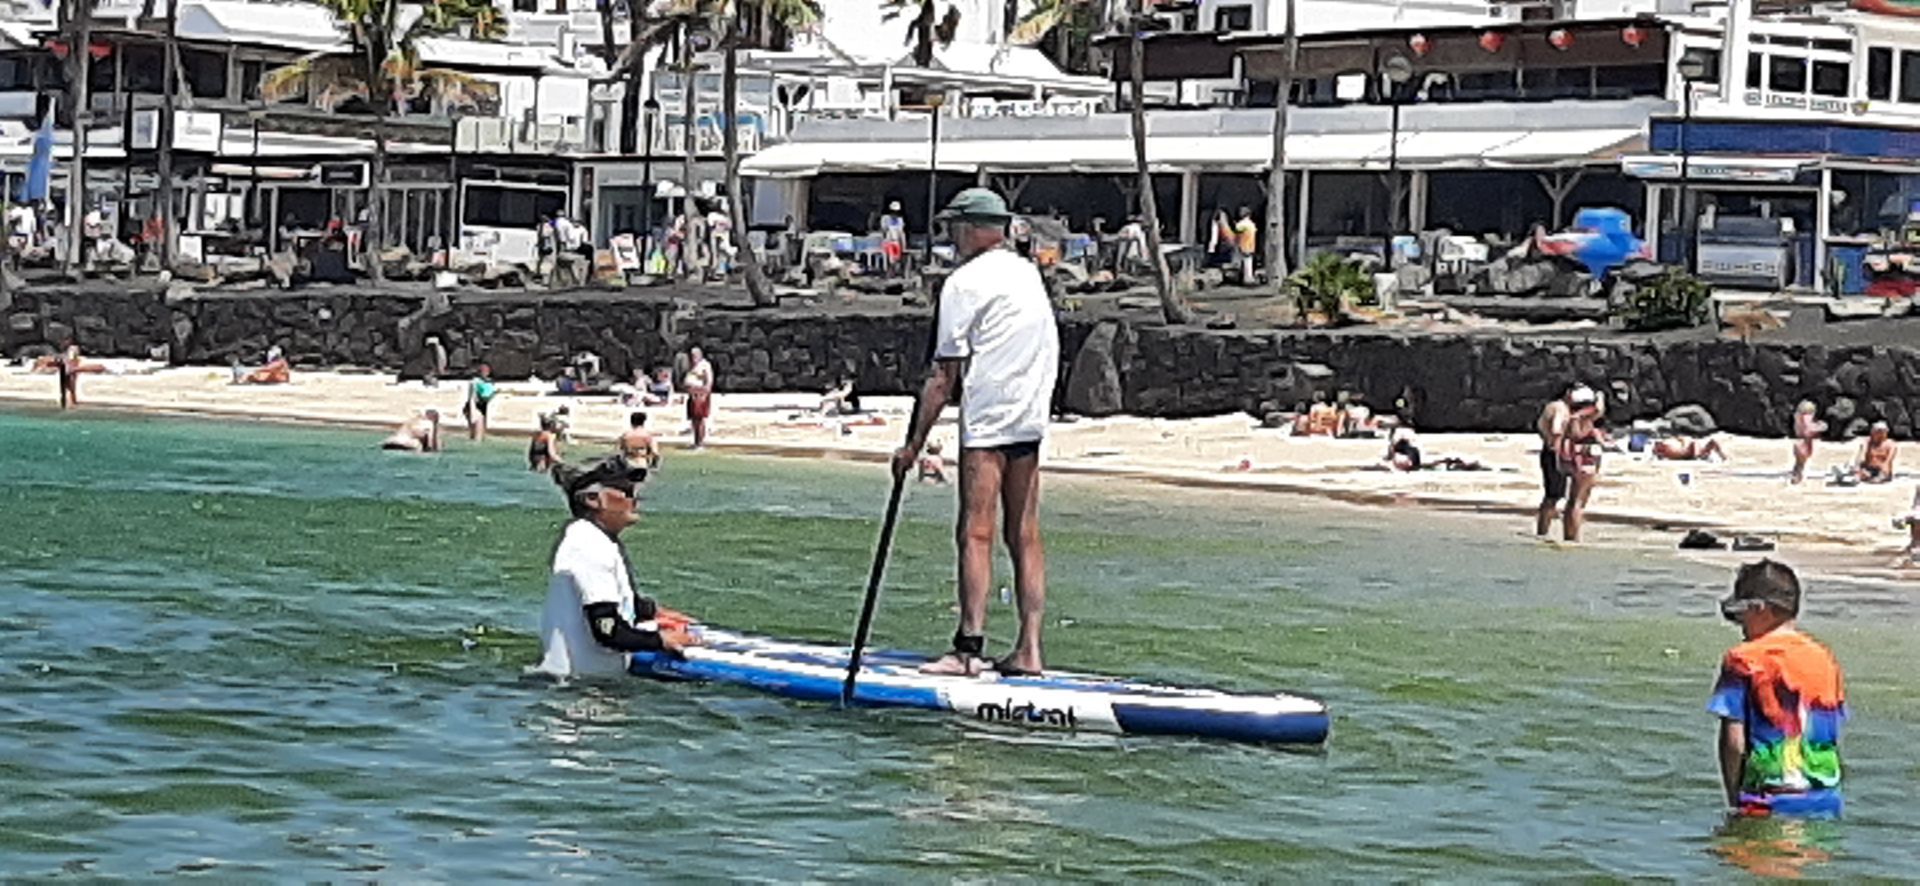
(496, 207)
(206, 72)
(1233, 18)
(144, 70)
(1551, 83)
(1484, 86)
(526, 6)
(1830, 78)
(1786, 73)
(1756, 69)
(1629, 81)
(1910, 76)
(250, 73)
(100, 74)
(1880, 73)
(1834, 45)
(16, 73)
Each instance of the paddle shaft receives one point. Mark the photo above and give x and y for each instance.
(865, 626)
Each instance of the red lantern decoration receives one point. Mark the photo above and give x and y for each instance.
(1491, 41)
(1633, 36)
(1419, 44)
(1560, 38)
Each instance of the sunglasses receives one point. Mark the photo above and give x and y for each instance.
(1731, 609)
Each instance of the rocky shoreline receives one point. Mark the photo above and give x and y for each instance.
(1443, 380)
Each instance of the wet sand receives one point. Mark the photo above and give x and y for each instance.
(1844, 527)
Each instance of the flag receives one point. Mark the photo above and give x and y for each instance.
(33, 188)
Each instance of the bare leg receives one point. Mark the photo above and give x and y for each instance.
(1020, 495)
(980, 478)
(1801, 452)
(1543, 521)
(1582, 488)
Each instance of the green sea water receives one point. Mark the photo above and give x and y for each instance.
(247, 652)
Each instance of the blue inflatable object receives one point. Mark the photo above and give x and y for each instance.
(1609, 240)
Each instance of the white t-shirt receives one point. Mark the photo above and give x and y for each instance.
(587, 568)
(994, 313)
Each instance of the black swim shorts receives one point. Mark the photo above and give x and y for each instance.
(1551, 476)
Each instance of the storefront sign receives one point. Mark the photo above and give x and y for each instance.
(344, 175)
(1711, 169)
(1816, 104)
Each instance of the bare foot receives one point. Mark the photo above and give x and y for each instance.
(1013, 666)
(954, 664)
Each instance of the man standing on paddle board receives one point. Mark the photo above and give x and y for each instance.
(996, 341)
(593, 617)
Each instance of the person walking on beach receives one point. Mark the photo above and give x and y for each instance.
(67, 365)
(698, 384)
(1580, 457)
(593, 618)
(997, 342)
(1807, 428)
(1781, 703)
(480, 394)
(1552, 425)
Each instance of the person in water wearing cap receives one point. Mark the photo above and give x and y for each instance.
(997, 342)
(1780, 701)
(1875, 461)
(1579, 451)
(1552, 425)
(593, 617)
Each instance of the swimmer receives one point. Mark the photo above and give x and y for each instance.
(637, 444)
(933, 468)
(543, 451)
(420, 434)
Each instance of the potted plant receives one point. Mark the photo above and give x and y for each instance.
(1671, 300)
(1327, 286)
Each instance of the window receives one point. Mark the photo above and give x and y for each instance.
(1786, 73)
(1831, 78)
(526, 6)
(1910, 76)
(1845, 46)
(143, 69)
(1233, 18)
(1880, 73)
(206, 72)
(1756, 66)
(16, 72)
(1625, 81)
(497, 207)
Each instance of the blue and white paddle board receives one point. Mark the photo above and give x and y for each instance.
(1059, 700)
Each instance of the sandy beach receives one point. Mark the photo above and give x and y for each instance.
(1748, 494)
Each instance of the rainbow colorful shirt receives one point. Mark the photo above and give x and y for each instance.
(1786, 688)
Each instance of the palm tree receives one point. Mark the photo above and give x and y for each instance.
(384, 64)
(791, 14)
(1044, 17)
(1277, 175)
(76, 26)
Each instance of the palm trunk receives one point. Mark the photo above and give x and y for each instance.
(79, 59)
(757, 284)
(687, 108)
(171, 65)
(381, 92)
(607, 50)
(1277, 176)
(630, 122)
(1172, 306)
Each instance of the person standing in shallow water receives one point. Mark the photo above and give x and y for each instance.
(1781, 703)
(997, 342)
(1552, 425)
(1580, 449)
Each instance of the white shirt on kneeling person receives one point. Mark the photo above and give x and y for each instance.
(588, 568)
(995, 314)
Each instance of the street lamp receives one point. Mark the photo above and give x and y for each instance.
(1693, 69)
(1398, 71)
(934, 101)
(651, 113)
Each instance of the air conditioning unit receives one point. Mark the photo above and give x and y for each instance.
(490, 137)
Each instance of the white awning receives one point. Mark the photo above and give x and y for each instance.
(1564, 147)
(805, 159)
(1452, 149)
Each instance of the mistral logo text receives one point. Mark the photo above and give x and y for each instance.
(1008, 712)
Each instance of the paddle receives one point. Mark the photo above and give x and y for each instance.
(882, 549)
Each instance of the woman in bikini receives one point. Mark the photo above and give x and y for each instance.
(543, 452)
(1580, 458)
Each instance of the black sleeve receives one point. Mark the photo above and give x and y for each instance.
(612, 631)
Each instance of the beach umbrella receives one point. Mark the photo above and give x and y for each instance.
(33, 188)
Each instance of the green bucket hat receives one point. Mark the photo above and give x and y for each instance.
(976, 204)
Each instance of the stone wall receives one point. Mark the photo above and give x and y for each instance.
(1443, 382)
